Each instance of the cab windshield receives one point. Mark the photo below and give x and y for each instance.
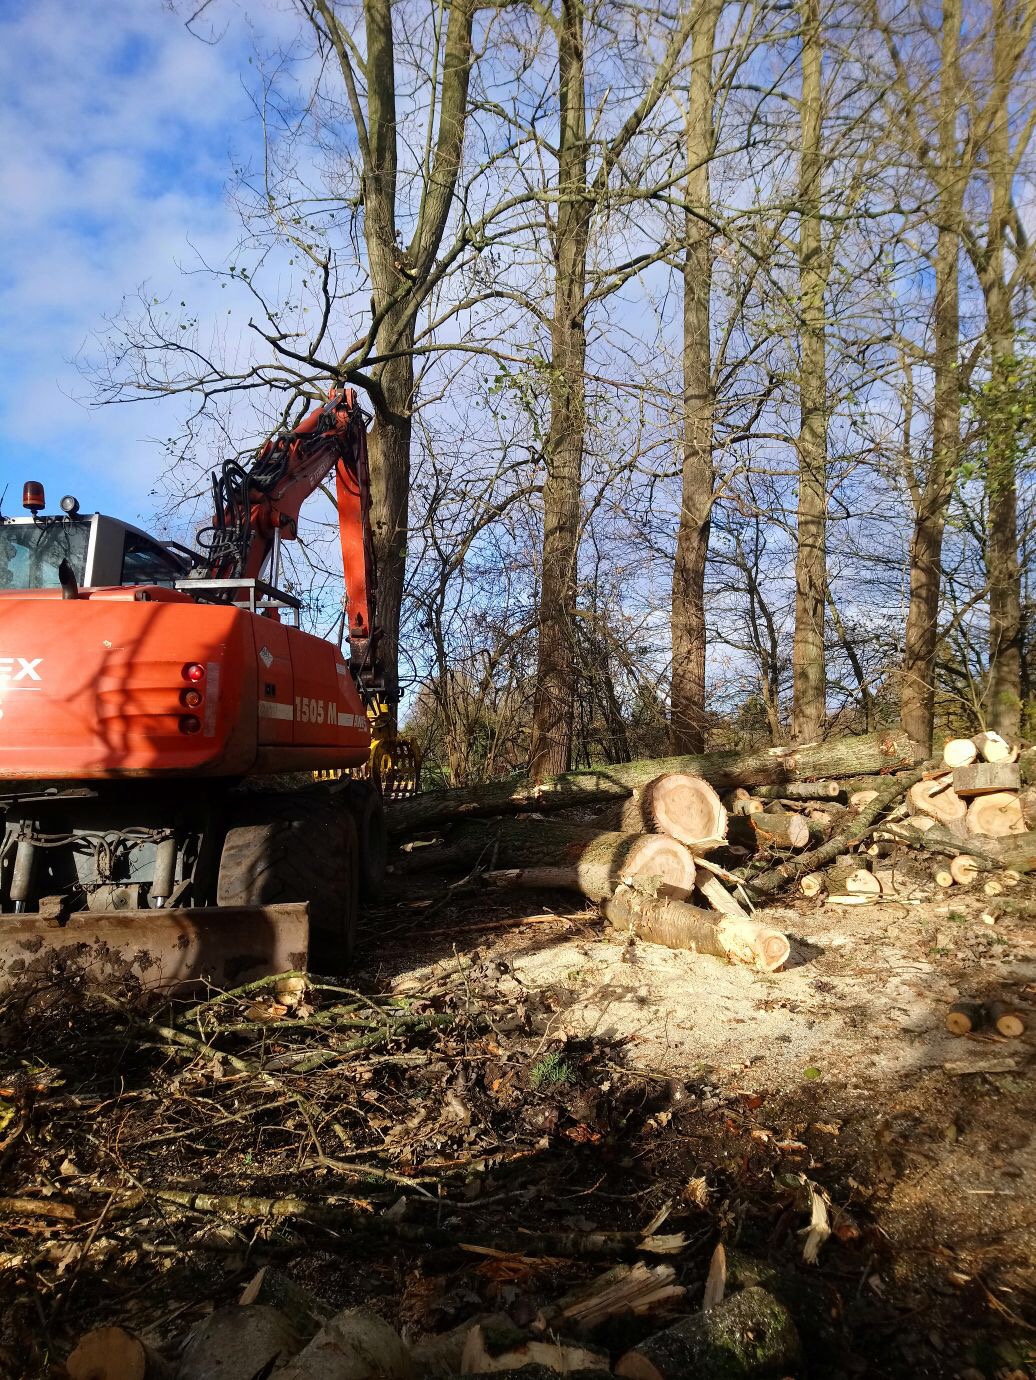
(30, 553)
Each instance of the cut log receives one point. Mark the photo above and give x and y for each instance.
(860, 798)
(800, 790)
(965, 1017)
(938, 799)
(353, 1345)
(723, 770)
(770, 830)
(985, 777)
(812, 884)
(1007, 1020)
(679, 926)
(595, 863)
(886, 880)
(992, 748)
(748, 1334)
(1027, 805)
(964, 869)
(959, 752)
(238, 1342)
(994, 887)
(995, 815)
(746, 804)
(942, 876)
(683, 806)
(112, 1353)
(494, 1351)
(858, 828)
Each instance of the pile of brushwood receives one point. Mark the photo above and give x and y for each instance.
(301, 1180)
(853, 821)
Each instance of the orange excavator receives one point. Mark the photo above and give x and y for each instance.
(159, 707)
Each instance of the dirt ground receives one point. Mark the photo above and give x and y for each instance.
(544, 1084)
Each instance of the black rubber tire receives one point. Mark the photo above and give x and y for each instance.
(293, 848)
(368, 812)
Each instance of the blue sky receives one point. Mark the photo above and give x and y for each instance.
(118, 130)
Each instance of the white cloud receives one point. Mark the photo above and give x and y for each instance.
(117, 131)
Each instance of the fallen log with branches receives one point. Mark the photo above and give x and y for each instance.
(840, 757)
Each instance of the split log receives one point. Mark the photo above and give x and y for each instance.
(112, 1353)
(627, 1290)
(858, 828)
(683, 806)
(237, 1343)
(992, 748)
(437, 1355)
(273, 1287)
(995, 815)
(722, 770)
(719, 898)
(1007, 1020)
(748, 1334)
(938, 799)
(679, 926)
(985, 777)
(965, 1017)
(353, 1345)
(800, 790)
(959, 752)
(494, 1351)
(852, 881)
(766, 829)
(582, 857)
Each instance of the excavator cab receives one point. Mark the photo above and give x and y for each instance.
(101, 551)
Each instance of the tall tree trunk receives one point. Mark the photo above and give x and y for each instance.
(917, 701)
(551, 747)
(1005, 620)
(687, 725)
(808, 667)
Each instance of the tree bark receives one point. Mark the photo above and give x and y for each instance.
(554, 701)
(917, 697)
(841, 757)
(1005, 618)
(808, 662)
(692, 541)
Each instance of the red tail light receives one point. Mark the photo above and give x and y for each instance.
(33, 497)
(189, 724)
(194, 671)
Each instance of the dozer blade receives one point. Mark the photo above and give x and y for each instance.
(169, 950)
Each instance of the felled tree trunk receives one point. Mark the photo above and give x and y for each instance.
(770, 830)
(680, 926)
(593, 862)
(840, 757)
(112, 1353)
(749, 1333)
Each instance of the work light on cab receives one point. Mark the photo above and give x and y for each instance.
(33, 497)
(70, 505)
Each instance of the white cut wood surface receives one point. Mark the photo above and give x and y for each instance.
(959, 752)
(996, 815)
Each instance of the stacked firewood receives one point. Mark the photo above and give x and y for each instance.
(683, 851)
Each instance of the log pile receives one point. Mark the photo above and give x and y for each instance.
(746, 1334)
(682, 851)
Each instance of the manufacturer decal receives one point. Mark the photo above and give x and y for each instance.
(16, 668)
